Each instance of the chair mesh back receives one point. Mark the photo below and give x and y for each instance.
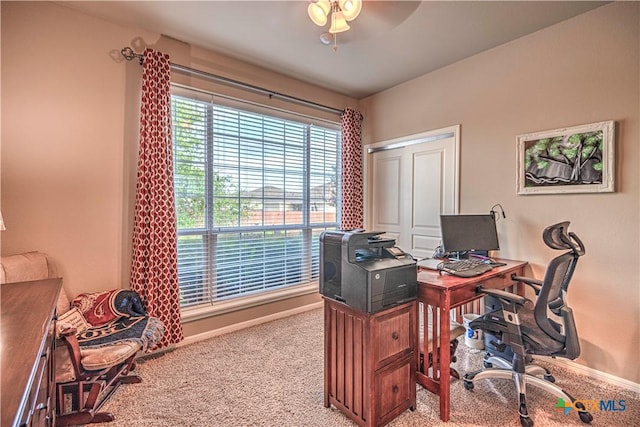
(556, 280)
(555, 285)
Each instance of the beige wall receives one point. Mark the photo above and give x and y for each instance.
(580, 71)
(70, 111)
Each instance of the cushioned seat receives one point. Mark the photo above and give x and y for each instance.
(92, 359)
(534, 339)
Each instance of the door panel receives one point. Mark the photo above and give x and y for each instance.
(427, 188)
(387, 180)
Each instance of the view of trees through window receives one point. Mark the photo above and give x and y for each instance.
(253, 194)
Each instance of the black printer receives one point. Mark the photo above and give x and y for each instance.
(365, 271)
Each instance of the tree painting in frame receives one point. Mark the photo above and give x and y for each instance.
(578, 159)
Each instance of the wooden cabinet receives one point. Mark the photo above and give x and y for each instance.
(370, 361)
(27, 321)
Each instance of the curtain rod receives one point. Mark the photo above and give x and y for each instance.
(129, 54)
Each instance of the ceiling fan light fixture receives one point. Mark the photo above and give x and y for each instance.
(338, 11)
(338, 23)
(318, 11)
(350, 8)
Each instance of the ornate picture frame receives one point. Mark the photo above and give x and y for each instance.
(578, 159)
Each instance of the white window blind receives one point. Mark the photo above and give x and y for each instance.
(253, 194)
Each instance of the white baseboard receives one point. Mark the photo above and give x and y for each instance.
(237, 326)
(593, 373)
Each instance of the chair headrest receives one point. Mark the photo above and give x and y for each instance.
(557, 236)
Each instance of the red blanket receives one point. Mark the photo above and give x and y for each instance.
(103, 307)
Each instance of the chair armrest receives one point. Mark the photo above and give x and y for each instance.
(66, 329)
(68, 336)
(503, 296)
(534, 283)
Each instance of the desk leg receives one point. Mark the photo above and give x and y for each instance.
(444, 355)
(519, 287)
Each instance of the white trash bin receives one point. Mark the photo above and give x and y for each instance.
(472, 338)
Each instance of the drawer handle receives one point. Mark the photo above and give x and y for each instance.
(395, 389)
(395, 335)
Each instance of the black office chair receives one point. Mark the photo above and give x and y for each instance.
(545, 327)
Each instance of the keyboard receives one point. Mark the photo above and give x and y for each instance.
(465, 267)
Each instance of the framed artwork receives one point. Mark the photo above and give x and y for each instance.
(577, 159)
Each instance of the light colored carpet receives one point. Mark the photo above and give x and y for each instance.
(272, 375)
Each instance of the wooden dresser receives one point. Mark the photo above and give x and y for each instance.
(370, 361)
(27, 325)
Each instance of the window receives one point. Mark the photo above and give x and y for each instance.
(253, 194)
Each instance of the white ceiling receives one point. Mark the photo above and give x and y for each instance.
(389, 43)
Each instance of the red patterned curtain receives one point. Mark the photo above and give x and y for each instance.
(352, 198)
(154, 267)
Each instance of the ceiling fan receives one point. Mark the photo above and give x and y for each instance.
(375, 18)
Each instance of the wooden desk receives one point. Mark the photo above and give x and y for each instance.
(443, 293)
(27, 320)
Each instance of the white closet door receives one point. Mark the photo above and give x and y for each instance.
(410, 183)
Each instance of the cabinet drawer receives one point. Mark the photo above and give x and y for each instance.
(394, 388)
(37, 399)
(392, 336)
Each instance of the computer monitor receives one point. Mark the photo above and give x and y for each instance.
(465, 233)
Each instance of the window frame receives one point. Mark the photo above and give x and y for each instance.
(209, 305)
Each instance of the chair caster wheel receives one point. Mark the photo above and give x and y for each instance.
(526, 421)
(585, 417)
(487, 364)
(468, 385)
(550, 378)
